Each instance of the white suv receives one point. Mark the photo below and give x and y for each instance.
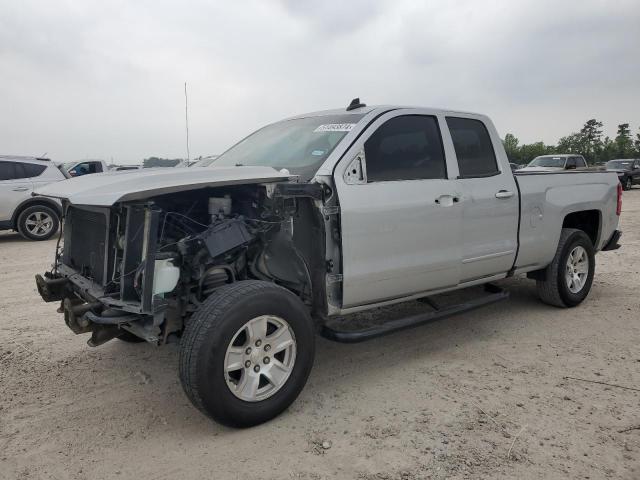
(36, 218)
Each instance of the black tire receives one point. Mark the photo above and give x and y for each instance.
(554, 289)
(211, 330)
(24, 229)
(129, 337)
(627, 183)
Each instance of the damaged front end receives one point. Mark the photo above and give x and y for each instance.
(142, 267)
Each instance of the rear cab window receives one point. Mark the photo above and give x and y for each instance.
(473, 147)
(408, 147)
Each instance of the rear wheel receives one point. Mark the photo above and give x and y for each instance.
(627, 183)
(569, 277)
(245, 355)
(38, 222)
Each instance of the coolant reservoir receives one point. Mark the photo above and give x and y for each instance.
(165, 276)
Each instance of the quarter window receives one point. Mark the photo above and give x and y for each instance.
(476, 157)
(32, 170)
(405, 148)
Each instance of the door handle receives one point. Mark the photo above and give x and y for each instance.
(21, 189)
(504, 194)
(447, 200)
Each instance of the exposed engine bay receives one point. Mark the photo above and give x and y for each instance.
(145, 266)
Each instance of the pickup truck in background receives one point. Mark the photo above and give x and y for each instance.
(317, 216)
(555, 163)
(628, 171)
(83, 167)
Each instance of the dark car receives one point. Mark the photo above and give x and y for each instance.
(628, 171)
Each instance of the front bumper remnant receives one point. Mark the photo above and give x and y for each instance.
(50, 288)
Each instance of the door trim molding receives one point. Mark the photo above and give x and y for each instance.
(488, 256)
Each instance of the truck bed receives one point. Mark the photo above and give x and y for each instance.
(546, 198)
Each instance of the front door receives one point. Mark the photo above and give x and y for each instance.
(400, 215)
(489, 200)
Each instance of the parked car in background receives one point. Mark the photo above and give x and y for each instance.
(550, 163)
(36, 218)
(628, 171)
(83, 167)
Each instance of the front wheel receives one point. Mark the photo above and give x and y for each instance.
(567, 280)
(627, 183)
(245, 355)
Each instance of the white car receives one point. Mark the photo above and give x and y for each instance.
(36, 218)
(555, 163)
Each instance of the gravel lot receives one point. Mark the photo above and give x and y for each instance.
(482, 395)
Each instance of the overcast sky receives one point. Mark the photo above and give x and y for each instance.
(104, 79)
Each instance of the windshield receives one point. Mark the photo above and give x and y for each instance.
(300, 145)
(547, 161)
(618, 164)
(67, 165)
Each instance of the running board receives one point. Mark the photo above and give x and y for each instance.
(494, 294)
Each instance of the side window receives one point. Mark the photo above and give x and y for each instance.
(476, 157)
(405, 148)
(33, 170)
(581, 162)
(15, 170)
(7, 171)
(84, 168)
(571, 163)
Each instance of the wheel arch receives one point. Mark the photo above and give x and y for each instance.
(30, 202)
(589, 221)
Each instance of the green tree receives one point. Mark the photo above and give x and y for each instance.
(624, 144)
(510, 143)
(160, 162)
(591, 136)
(573, 143)
(636, 143)
(609, 149)
(533, 150)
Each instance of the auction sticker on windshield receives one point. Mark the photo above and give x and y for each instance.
(335, 127)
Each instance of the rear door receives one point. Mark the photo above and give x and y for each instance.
(489, 199)
(15, 187)
(400, 218)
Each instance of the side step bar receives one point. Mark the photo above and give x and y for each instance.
(494, 294)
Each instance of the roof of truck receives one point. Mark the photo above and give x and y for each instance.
(381, 108)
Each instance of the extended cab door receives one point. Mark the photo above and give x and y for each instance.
(400, 216)
(489, 198)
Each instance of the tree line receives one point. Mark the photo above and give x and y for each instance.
(588, 142)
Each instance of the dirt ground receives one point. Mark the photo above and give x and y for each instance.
(484, 395)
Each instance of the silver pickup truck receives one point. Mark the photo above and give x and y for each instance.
(317, 216)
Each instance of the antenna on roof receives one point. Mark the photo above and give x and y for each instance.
(355, 103)
(186, 120)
